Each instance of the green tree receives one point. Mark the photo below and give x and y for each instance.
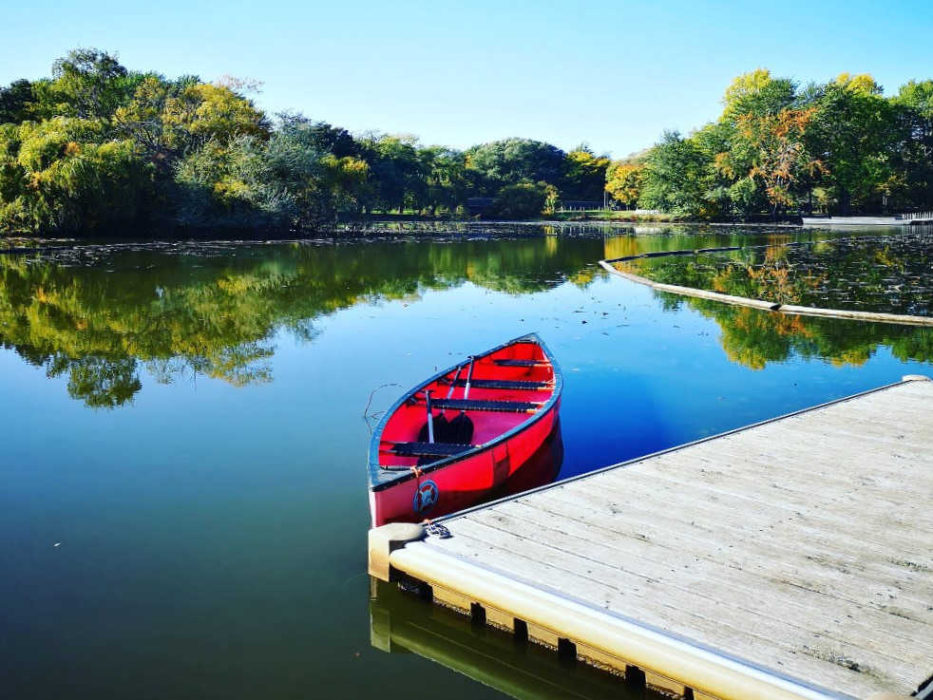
(320, 183)
(235, 184)
(203, 112)
(320, 136)
(447, 179)
(735, 146)
(514, 160)
(780, 158)
(397, 172)
(584, 174)
(913, 156)
(674, 177)
(523, 200)
(16, 101)
(143, 120)
(89, 84)
(853, 133)
(61, 174)
(757, 93)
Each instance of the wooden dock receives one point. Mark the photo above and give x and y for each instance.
(789, 559)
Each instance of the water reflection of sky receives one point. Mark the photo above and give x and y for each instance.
(225, 521)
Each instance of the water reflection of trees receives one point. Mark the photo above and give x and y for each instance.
(94, 315)
(754, 338)
(890, 274)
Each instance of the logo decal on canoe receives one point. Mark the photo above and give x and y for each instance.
(425, 497)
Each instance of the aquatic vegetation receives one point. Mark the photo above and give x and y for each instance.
(889, 274)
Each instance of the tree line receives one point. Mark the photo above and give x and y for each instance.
(780, 148)
(97, 147)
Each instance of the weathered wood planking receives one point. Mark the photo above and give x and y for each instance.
(800, 548)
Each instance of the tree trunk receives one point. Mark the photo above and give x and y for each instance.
(845, 201)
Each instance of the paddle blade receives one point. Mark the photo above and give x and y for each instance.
(441, 430)
(460, 430)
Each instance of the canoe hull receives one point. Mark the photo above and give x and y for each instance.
(474, 479)
(504, 434)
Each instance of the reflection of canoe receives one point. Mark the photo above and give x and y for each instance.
(489, 416)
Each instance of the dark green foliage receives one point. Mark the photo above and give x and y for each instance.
(397, 174)
(15, 102)
(674, 177)
(913, 114)
(523, 200)
(320, 136)
(89, 83)
(854, 133)
(512, 160)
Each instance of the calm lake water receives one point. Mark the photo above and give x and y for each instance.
(184, 507)
(885, 273)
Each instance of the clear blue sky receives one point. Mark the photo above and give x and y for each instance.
(611, 73)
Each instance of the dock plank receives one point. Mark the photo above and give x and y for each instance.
(773, 562)
(706, 573)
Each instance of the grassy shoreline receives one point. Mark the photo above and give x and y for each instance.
(380, 224)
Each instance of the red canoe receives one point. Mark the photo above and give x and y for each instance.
(489, 415)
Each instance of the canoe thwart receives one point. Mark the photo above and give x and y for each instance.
(506, 384)
(429, 449)
(521, 363)
(487, 405)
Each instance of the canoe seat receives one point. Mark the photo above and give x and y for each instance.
(521, 363)
(501, 384)
(486, 405)
(429, 449)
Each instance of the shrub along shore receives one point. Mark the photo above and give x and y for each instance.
(98, 149)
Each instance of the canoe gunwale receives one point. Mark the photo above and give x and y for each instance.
(381, 478)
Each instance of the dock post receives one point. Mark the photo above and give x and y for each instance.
(386, 539)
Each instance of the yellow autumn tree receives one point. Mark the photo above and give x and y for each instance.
(204, 111)
(624, 182)
(779, 155)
